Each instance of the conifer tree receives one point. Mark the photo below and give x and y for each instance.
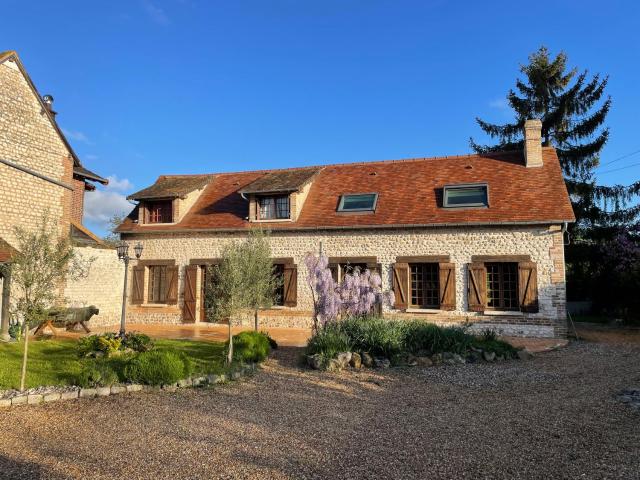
(573, 109)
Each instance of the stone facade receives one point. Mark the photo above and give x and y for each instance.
(543, 243)
(102, 287)
(29, 140)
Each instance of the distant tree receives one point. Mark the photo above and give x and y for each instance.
(38, 271)
(243, 281)
(113, 238)
(573, 109)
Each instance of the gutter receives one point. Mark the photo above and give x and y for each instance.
(36, 174)
(142, 231)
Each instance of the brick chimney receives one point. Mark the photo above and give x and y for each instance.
(533, 143)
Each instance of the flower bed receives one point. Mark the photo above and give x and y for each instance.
(376, 342)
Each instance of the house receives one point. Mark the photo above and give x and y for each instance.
(471, 238)
(39, 171)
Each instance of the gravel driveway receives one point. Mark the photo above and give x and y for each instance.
(556, 416)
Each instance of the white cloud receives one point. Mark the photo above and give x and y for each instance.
(118, 184)
(105, 202)
(156, 13)
(499, 103)
(77, 136)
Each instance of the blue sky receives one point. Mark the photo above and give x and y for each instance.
(145, 87)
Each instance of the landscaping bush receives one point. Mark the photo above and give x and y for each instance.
(158, 368)
(272, 342)
(15, 331)
(329, 341)
(394, 339)
(108, 344)
(251, 347)
(97, 374)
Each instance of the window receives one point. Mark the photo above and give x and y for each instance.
(273, 208)
(502, 286)
(465, 196)
(160, 212)
(425, 285)
(278, 273)
(351, 268)
(157, 284)
(358, 202)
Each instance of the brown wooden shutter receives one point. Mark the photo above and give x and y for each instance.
(447, 286)
(334, 267)
(189, 306)
(290, 285)
(528, 286)
(137, 285)
(171, 295)
(477, 289)
(401, 285)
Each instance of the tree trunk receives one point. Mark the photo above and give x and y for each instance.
(255, 319)
(230, 354)
(23, 376)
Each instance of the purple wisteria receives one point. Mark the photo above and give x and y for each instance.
(357, 294)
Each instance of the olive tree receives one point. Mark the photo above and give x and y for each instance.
(244, 280)
(44, 260)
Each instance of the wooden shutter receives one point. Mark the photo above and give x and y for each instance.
(401, 285)
(290, 285)
(171, 286)
(334, 267)
(528, 286)
(189, 306)
(477, 289)
(447, 273)
(137, 285)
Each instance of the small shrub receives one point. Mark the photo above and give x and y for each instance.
(97, 374)
(158, 367)
(272, 342)
(15, 331)
(499, 347)
(138, 342)
(329, 341)
(251, 347)
(374, 335)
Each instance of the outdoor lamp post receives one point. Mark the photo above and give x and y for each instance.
(123, 254)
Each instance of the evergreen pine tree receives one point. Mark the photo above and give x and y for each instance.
(573, 109)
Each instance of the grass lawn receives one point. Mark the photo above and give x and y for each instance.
(56, 362)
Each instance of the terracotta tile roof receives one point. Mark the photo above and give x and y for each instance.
(172, 186)
(409, 194)
(6, 251)
(281, 180)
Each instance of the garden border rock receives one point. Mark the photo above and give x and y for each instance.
(73, 393)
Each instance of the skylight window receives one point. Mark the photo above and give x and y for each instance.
(358, 202)
(466, 196)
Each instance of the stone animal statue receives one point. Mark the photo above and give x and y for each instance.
(70, 317)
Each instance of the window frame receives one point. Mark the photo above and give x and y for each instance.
(274, 198)
(422, 287)
(278, 271)
(502, 265)
(343, 196)
(162, 284)
(166, 207)
(450, 187)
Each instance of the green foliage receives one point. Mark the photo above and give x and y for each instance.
(158, 368)
(15, 331)
(393, 339)
(138, 342)
(251, 347)
(97, 374)
(244, 278)
(272, 342)
(329, 341)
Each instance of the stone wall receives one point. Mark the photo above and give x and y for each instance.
(542, 243)
(28, 139)
(102, 287)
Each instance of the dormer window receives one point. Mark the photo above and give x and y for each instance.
(358, 202)
(160, 211)
(472, 195)
(274, 207)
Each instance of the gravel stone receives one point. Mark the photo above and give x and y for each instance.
(556, 416)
